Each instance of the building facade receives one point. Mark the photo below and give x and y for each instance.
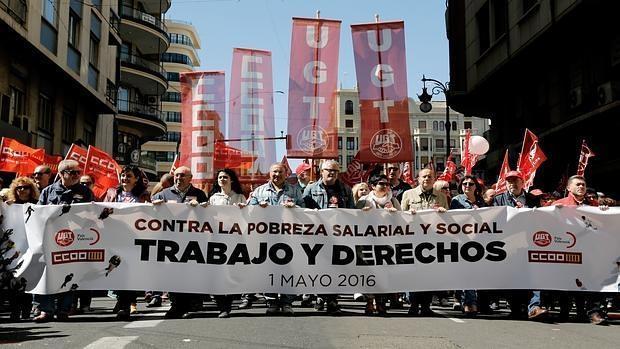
(181, 56)
(142, 82)
(427, 130)
(57, 70)
(551, 66)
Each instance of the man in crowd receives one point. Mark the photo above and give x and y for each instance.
(576, 187)
(423, 197)
(66, 191)
(277, 192)
(303, 175)
(399, 187)
(516, 196)
(328, 192)
(181, 192)
(41, 176)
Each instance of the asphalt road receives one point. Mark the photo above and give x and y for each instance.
(307, 329)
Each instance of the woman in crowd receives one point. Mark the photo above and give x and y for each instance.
(132, 189)
(226, 191)
(470, 197)
(359, 190)
(379, 198)
(22, 190)
(444, 187)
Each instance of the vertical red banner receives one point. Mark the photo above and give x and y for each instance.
(313, 80)
(202, 112)
(104, 170)
(382, 79)
(251, 108)
(78, 154)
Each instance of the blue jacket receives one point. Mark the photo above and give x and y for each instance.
(58, 194)
(315, 195)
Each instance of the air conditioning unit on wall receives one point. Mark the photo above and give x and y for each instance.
(151, 100)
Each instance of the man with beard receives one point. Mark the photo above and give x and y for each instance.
(399, 187)
(328, 192)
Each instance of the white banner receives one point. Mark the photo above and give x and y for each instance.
(227, 250)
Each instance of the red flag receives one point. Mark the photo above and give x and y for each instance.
(103, 168)
(585, 155)
(382, 79)
(468, 160)
(313, 81)
(202, 96)
(408, 173)
(355, 172)
(229, 157)
(251, 107)
(531, 157)
(500, 187)
(78, 154)
(284, 162)
(52, 161)
(175, 164)
(19, 158)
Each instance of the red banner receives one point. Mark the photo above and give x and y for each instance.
(78, 154)
(203, 113)
(251, 108)
(19, 158)
(313, 80)
(382, 79)
(52, 161)
(229, 157)
(408, 173)
(500, 187)
(104, 170)
(584, 156)
(531, 157)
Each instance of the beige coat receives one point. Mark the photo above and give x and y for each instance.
(413, 198)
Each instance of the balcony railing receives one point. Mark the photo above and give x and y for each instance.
(144, 18)
(141, 62)
(139, 109)
(17, 9)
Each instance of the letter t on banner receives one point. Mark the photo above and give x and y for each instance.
(203, 108)
(382, 78)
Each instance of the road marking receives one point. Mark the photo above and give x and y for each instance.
(143, 324)
(111, 342)
(447, 316)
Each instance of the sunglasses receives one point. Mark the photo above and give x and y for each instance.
(445, 188)
(330, 170)
(86, 183)
(23, 187)
(71, 172)
(383, 183)
(468, 184)
(40, 173)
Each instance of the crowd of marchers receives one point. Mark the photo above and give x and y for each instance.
(385, 191)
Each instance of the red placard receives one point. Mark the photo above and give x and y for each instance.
(584, 156)
(251, 108)
(531, 158)
(19, 158)
(313, 80)
(52, 161)
(104, 170)
(203, 111)
(382, 79)
(501, 179)
(78, 154)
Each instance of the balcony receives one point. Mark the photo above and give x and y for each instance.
(147, 32)
(156, 5)
(149, 77)
(18, 9)
(143, 120)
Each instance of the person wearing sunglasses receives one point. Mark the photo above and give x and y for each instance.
(67, 190)
(380, 197)
(42, 176)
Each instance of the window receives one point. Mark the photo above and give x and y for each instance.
(423, 161)
(500, 22)
(439, 143)
(422, 124)
(173, 116)
(453, 144)
(424, 144)
(74, 29)
(349, 159)
(176, 58)
(93, 52)
(180, 39)
(348, 123)
(89, 134)
(174, 136)
(171, 76)
(46, 114)
(339, 142)
(171, 97)
(49, 11)
(348, 107)
(482, 19)
(5, 108)
(68, 126)
(350, 143)
(528, 4)
(435, 126)
(467, 125)
(17, 106)
(441, 126)
(340, 159)
(454, 125)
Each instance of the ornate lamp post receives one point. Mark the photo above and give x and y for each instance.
(436, 88)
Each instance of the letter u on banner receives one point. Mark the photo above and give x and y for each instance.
(381, 72)
(203, 116)
(312, 123)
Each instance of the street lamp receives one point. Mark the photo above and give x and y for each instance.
(426, 106)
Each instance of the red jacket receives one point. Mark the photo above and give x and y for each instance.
(570, 200)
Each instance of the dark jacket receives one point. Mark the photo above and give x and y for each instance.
(506, 199)
(172, 194)
(58, 194)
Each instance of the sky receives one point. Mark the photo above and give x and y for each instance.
(266, 24)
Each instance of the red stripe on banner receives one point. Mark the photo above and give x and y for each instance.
(202, 112)
(313, 80)
(251, 108)
(382, 79)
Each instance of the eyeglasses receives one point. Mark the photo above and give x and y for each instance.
(330, 170)
(468, 184)
(23, 187)
(40, 173)
(445, 188)
(86, 183)
(180, 175)
(71, 172)
(383, 183)
(393, 169)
